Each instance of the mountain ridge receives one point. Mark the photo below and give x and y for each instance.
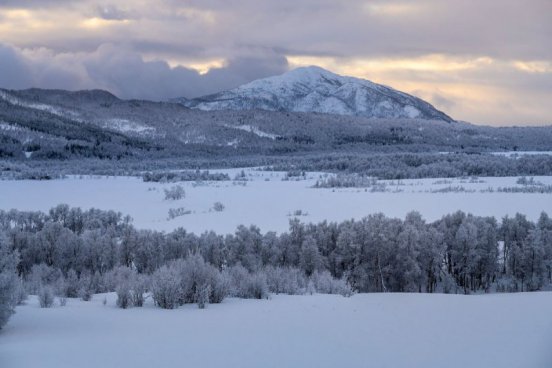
(314, 89)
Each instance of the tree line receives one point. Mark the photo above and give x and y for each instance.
(75, 252)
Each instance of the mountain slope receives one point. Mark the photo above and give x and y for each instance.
(313, 89)
(38, 124)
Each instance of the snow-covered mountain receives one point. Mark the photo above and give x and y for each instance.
(313, 89)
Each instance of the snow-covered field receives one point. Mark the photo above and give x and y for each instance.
(521, 153)
(269, 202)
(366, 330)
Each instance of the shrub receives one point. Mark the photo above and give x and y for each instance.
(130, 288)
(42, 274)
(21, 293)
(189, 280)
(202, 295)
(124, 299)
(139, 288)
(246, 285)
(46, 297)
(325, 283)
(175, 193)
(348, 181)
(184, 176)
(256, 287)
(85, 294)
(282, 280)
(218, 207)
(449, 285)
(70, 286)
(177, 212)
(219, 287)
(194, 273)
(165, 287)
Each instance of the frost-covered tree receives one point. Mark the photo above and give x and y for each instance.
(533, 260)
(130, 287)
(165, 287)
(42, 275)
(285, 280)
(325, 283)
(9, 282)
(79, 252)
(71, 285)
(516, 232)
(195, 274)
(407, 275)
(310, 259)
(544, 226)
(202, 295)
(213, 249)
(46, 297)
(148, 253)
(244, 284)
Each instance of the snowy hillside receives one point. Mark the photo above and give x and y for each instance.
(313, 89)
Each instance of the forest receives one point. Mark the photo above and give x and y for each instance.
(70, 252)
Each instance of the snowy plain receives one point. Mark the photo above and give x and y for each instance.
(365, 330)
(269, 202)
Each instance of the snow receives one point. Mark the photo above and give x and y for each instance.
(254, 130)
(385, 105)
(307, 76)
(379, 330)
(127, 126)
(9, 127)
(411, 111)
(521, 153)
(332, 105)
(268, 201)
(313, 89)
(36, 106)
(366, 330)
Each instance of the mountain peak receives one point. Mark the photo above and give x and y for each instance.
(314, 89)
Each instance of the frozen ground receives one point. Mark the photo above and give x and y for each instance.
(367, 330)
(521, 153)
(269, 202)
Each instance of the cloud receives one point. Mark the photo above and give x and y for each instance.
(125, 73)
(111, 12)
(436, 47)
(15, 73)
(33, 3)
(350, 28)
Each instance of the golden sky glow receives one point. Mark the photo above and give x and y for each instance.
(534, 66)
(99, 22)
(360, 67)
(475, 67)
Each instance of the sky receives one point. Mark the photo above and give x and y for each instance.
(482, 61)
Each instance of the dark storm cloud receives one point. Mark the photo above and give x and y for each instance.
(15, 73)
(126, 74)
